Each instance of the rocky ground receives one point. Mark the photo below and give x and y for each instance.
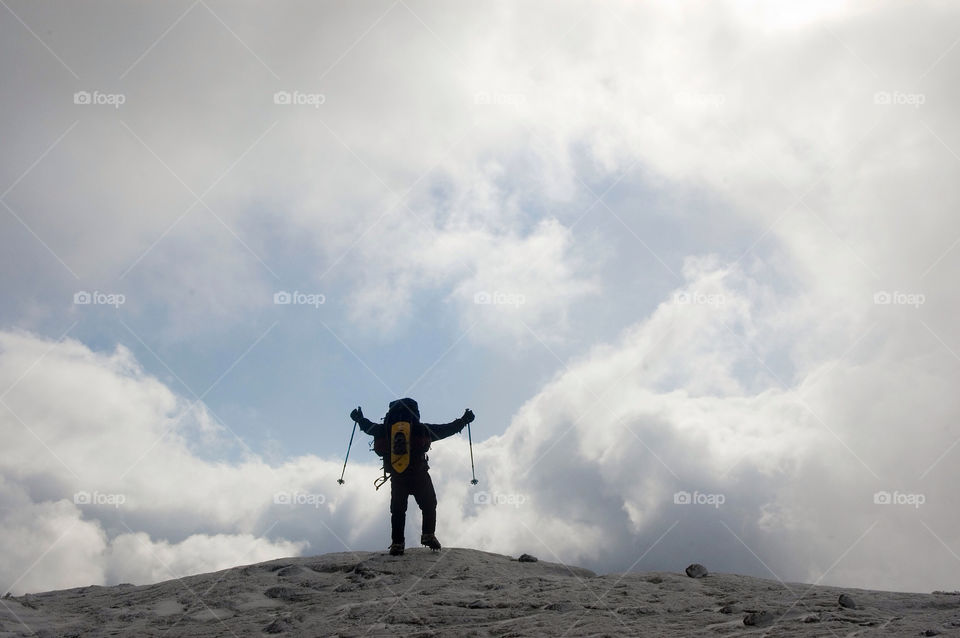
(463, 592)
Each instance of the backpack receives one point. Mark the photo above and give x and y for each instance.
(403, 438)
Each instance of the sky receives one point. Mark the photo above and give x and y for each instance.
(693, 266)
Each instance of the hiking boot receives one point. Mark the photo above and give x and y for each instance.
(396, 549)
(430, 541)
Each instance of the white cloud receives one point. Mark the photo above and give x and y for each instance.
(135, 558)
(600, 452)
(499, 281)
(46, 545)
(100, 474)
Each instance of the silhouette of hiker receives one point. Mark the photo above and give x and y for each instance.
(405, 460)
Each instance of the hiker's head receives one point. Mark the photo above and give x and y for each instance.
(405, 409)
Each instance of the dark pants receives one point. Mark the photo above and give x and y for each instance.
(415, 481)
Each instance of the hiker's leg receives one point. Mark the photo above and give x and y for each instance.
(399, 492)
(427, 500)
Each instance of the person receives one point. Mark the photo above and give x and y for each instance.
(414, 479)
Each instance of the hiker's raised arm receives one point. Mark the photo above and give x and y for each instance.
(442, 431)
(368, 426)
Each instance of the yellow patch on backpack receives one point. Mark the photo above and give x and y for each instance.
(400, 446)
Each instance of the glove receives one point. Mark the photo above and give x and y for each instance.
(467, 416)
(357, 414)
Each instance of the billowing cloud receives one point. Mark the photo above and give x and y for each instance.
(805, 478)
(117, 453)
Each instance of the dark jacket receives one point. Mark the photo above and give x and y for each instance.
(428, 431)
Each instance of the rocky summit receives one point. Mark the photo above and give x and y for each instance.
(463, 592)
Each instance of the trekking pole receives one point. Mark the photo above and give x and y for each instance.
(472, 471)
(349, 445)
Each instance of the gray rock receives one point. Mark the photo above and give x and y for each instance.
(289, 570)
(846, 600)
(289, 594)
(527, 558)
(758, 618)
(28, 600)
(278, 626)
(562, 606)
(696, 570)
